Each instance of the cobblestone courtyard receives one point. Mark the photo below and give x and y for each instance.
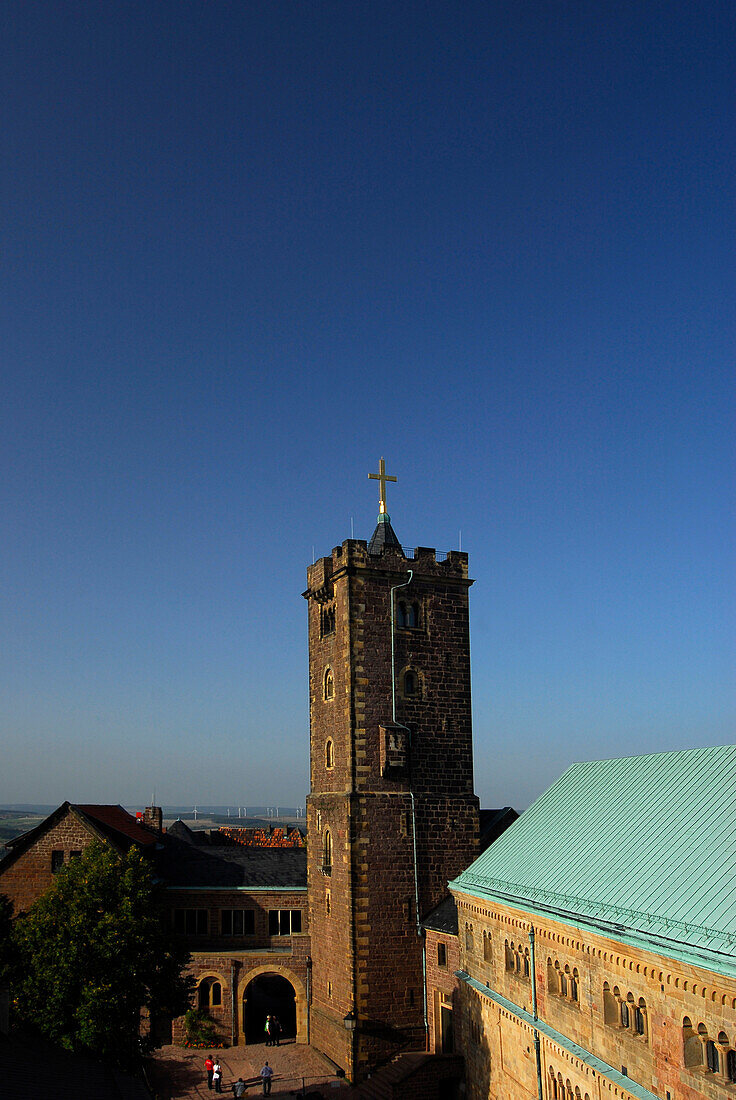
(178, 1073)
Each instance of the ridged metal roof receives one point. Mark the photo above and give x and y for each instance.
(643, 845)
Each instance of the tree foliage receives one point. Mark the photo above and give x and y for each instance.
(6, 945)
(95, 950)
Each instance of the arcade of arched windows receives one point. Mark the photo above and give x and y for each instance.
(516, 959)
(712, 1053)
(563, 981)
(624, 1011)
(559, 1089)
(614, 959)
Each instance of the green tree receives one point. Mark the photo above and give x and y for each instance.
(6, 915)
(95, 950)
(6, 942)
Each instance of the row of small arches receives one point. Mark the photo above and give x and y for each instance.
(558, 1089)
(563, 981)
(624, 1012)
(470, 942)
(716, 996)
(703, 1052)
(517, 959)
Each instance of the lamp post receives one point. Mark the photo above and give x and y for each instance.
(350, 1021)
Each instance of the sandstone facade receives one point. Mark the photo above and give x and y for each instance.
(391, 814)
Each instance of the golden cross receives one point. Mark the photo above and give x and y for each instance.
(382, 477)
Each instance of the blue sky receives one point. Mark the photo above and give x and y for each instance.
(249, 248)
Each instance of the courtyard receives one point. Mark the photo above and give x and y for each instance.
(177, 1073)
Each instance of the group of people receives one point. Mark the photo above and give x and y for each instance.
(214, 1073)
(214, 1078)
(273, 1031)
(213, 1068)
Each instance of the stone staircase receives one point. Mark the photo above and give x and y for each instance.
(414, 1076)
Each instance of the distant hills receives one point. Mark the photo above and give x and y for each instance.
(19, 817)
(169, 811)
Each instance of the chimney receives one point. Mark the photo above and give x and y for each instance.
(153, 817)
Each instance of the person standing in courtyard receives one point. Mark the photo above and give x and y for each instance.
(275, 1030)
(266, 1075)
(267, 1029)
(217, 1075)
(209, 1065)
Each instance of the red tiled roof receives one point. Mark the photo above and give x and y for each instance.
(119, 820)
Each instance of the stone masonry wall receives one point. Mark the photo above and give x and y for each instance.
(367, 954)
(498, 1048)
(441, 981)
(234, 961)
(28, 876)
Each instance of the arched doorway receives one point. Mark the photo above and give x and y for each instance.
(269, 995)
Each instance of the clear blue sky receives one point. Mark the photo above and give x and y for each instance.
(250, 247)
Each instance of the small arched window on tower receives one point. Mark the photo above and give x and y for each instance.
(407, 614)
(411, 684)
(327, 620)
(329, 754)
(327, 853)
(329, 685)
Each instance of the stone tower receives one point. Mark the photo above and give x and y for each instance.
(391, 814)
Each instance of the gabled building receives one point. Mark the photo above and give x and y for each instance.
(610, 907)
(32, 860)
(241, 911)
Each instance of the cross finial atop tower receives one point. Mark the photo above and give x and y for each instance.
(382, 477)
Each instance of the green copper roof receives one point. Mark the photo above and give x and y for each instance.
(641, 849)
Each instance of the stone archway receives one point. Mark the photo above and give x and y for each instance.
(271, 990)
